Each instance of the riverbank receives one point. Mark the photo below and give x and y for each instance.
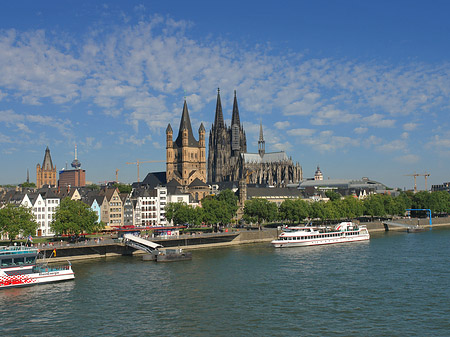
(110, 248)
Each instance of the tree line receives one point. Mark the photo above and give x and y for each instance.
(222, 208)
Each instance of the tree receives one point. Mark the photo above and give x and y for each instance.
(333, 195)
(181, 214)
(123, 188)
(230, 201)
(16, 220)
(75, 217)
(260, 210)
(27, 184)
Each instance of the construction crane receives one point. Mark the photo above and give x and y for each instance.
(415, 175)
(138, 162)
(117, 175)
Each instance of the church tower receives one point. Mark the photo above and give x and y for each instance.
(46, 174)
(261, 142)
(225, 145)
(185, 157)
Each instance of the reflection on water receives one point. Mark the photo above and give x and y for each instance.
(395, 284)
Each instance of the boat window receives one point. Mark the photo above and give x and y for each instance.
(6, 262)
(30, 259)
(19, 260)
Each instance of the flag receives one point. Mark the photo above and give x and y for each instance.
(30, 238)
(54, 252)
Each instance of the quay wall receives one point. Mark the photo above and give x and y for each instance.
(108, 248)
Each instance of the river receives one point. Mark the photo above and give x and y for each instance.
(396, 284)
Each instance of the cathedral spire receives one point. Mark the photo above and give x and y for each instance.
(261, 142)
(185, 124)
(218, 120)
(235, 119)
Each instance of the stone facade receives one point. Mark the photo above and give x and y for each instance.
(46, 174)
(228, 159)
(186, 157)
(226, 145)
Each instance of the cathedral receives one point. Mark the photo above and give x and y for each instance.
(46, 174)
(228, 159)
(226, 145)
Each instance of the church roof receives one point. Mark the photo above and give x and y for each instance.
(154, 179)
(47, 164)
(185, 123)
(197, 183)
(271, 157)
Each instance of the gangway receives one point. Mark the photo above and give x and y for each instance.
(140, 243)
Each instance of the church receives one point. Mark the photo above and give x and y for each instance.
(228, 159)
(186, 158)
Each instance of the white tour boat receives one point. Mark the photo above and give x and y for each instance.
(311, 236)
(18, 268)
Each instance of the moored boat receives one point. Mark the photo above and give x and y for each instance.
(19, 267)
(311, 236)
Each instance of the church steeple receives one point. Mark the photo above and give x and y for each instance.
(218, 119)
(185, 126)
(47, 164)
(235, 118)
(261, 142)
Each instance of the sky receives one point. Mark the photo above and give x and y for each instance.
(361, 88)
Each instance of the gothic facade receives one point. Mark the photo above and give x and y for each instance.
(226, 145)
(228, 159)
(186, 158)
(46, 174)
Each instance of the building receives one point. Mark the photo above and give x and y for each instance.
(73, 178)
(442, 187)
(226, 145)
(228, 159)
(149, 206)
(46, 174)
(186, 157)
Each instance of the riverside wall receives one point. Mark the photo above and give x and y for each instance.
(109, 248)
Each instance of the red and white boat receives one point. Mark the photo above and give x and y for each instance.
(19, 267)
(311, 236)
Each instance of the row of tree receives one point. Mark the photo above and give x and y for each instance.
(377, 205)
(216, 209)
(70, 217)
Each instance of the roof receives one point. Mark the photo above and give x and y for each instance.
(271, 157)
(47, 164)
(198, 183)
(154, 179)
(273, 192)
(185, 123)
(343, 183)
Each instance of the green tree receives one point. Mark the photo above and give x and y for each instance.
(74, 217)
(27, 184)
(230, 201)
(260, 210)
(16, 220)
(123, 188)
(333, 195)
(181, 214)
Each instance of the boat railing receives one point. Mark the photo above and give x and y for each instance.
(44, 268)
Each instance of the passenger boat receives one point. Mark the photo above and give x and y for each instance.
(19, 267)
(311, 236)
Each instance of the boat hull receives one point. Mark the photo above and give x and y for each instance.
(24, 280)
(317, 242)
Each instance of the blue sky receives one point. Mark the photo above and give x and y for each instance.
(360, 88)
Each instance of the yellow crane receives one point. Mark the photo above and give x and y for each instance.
(138, 162)
(415, 175)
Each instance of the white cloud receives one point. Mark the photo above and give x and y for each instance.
(301, 132)
(378, 120)
(360, 130)
(408, 159)
(410, 126)
(282, 125)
